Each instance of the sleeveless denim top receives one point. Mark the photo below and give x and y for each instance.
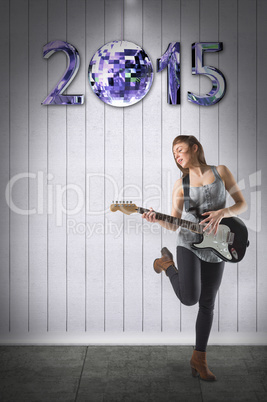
(209, 197)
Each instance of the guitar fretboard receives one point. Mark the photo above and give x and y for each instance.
(194, 227)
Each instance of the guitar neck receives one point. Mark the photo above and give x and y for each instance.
(194, 227)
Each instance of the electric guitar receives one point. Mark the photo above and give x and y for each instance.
(229, 243)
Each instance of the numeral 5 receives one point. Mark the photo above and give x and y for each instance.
(216, 76)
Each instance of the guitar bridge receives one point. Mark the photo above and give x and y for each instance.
(230, 238)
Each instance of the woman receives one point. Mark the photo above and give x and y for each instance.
(199, 271)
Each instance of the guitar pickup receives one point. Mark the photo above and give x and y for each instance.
(230, 238)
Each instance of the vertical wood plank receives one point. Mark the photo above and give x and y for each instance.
(76, 175)
(4, 168)
(152, 164)
(189, 35)
(114, 144)
(95, 182)
(228, 147)
(132, 153)
(57, 242)
(19, 296)
(171, 24)
(38, 168)
(247, 152)
(261, 182)
(208, 134)
(189, 111)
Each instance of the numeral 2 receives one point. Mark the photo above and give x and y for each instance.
(55, 97)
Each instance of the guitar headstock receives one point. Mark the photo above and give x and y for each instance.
(127, 207)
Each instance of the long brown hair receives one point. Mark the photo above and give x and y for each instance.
(190, 140)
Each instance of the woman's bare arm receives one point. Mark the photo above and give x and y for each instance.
(214, 218)
(235, 192)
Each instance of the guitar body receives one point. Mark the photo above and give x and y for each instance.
(229, 243)
(219, 244)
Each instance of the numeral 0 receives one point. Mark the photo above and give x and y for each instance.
(170, 59)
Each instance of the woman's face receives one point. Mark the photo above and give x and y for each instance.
(182, 154)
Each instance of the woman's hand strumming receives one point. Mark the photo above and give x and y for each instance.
(213, 220)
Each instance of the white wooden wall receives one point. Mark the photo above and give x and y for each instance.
(87, 276)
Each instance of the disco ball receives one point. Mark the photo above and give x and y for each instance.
(120, 73)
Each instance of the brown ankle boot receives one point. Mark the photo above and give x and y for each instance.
(161, 264)
(199, 365)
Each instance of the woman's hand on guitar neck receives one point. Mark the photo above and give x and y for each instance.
(150, 216)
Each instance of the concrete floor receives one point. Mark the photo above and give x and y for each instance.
(130, 373)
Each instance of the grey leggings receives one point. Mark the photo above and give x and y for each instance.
(197, 281)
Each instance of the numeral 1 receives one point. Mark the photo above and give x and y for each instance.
(218, 81)
(171, 60)
(55, 97)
